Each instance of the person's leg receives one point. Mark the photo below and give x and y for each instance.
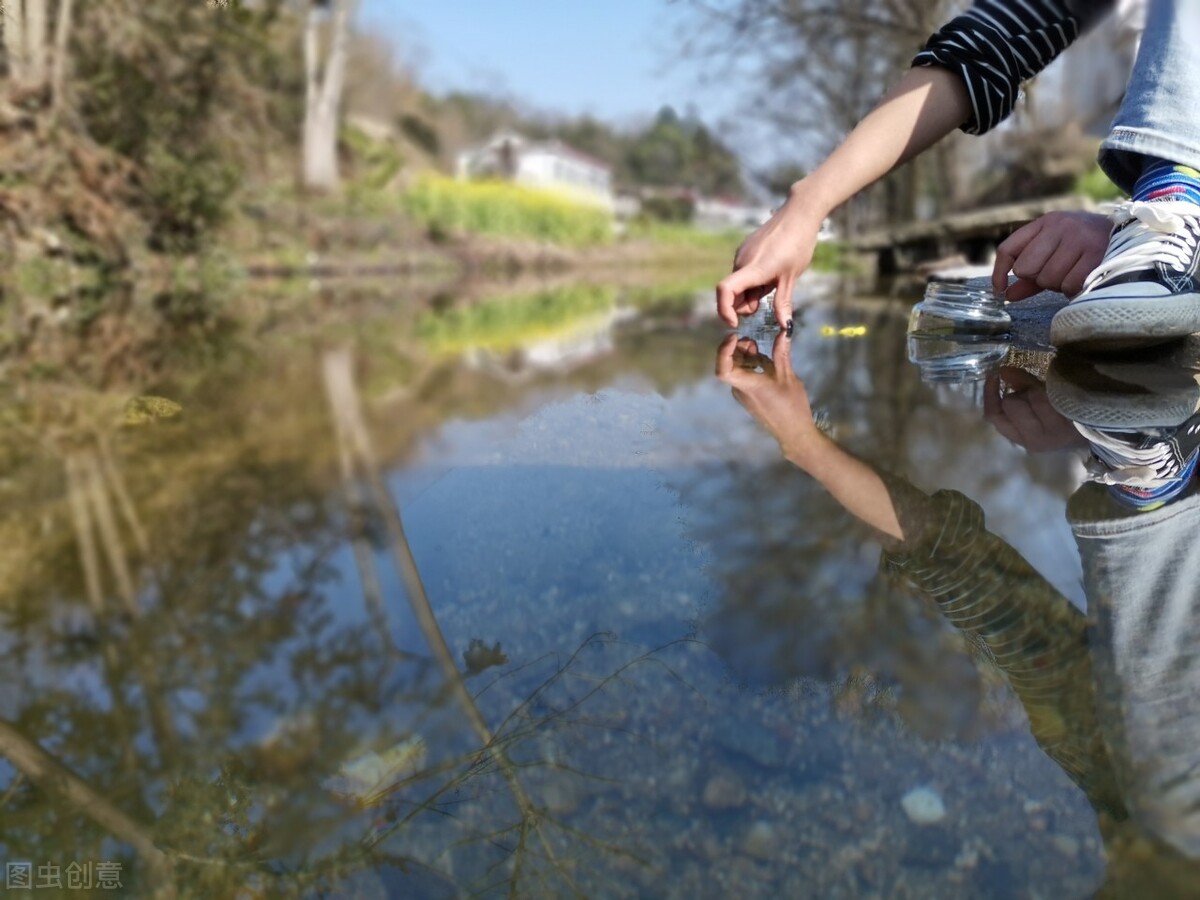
(1146, 290)
(1160, 115)
(1140, 575)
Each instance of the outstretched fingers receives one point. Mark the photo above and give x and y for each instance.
(733, 294)
(739, 293)
(729, 368)
(781, 355)
(1010, 250)
(783, 300)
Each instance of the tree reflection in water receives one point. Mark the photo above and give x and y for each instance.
(182, 696)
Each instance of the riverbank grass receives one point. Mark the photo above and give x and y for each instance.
(447, 207)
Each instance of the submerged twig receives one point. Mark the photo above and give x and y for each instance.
(56, 779)
(350, 427)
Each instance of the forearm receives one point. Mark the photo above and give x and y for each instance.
(851, 482)
(925, 106)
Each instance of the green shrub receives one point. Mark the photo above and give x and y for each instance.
(508, 322)
(669, 209)
(376, 163)
(187, 197)
(445, 206)
(1095, 184)
(831, 256)
(421, 133)
(678, 235)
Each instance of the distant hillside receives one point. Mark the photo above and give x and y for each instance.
(668, 151)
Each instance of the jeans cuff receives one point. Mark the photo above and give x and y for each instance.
(1123, 154)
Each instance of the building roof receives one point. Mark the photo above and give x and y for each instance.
(567, 150)
(507, 135)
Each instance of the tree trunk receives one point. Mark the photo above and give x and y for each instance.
(62, 40)
(63, 784)
(320, 152)
(323, 95)
(355, 443)
(27, 41)
(14, 39)
(36, 16)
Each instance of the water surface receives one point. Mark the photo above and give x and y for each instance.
(512, 597)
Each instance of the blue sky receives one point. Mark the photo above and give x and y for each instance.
(617, 59)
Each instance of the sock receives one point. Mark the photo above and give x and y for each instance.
(1143, 469)
(1164, 180)
(1146, 499)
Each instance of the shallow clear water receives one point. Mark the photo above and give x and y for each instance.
(525, 602)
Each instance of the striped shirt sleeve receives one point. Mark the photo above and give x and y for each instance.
(986, 589)
(998, 44)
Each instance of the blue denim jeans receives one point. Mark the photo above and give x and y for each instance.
(1142, 579)
(1160, 115)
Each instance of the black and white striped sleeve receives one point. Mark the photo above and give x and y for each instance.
(997, 44)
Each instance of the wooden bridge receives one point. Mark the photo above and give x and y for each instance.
(973, 234)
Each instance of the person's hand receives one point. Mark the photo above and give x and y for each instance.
(776, 398)
(771, 259)
(1053, 253)
(1025, 415)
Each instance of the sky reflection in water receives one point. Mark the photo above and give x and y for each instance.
(654, 657)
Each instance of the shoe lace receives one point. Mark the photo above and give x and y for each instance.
(1128, 461)
(1164, 231)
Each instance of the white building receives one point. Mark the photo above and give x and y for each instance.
(549, 165)
(721, 214)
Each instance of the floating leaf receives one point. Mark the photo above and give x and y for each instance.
(365, 777)
(140, 410)
(479, 656)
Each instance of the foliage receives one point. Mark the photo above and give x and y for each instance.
(778, 179)
(1095, 184)
(831, 256)
(682, 151)
(377, 163)
(508, 322)
(446, 207)
(182, 91)
(421, 133)
(676, 235)
(668, 208)
(187, 195)
(670, 151)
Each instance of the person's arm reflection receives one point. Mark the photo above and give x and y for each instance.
(940, 546)
(778, 400)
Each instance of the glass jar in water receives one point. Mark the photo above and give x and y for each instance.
(959, 309)
(956, 359)
(958, 332)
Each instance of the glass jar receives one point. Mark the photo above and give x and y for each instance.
(956, 358)
(959, 332)
(951, 308)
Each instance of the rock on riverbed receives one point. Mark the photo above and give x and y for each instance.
(923, 806)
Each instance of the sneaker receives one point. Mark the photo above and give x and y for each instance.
(1146, 389)
(1144, 470)
(1141, 418)
(1146, 290)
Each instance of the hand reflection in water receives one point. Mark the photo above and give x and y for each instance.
(1110, 700)
(1024, 414)
(776, 398)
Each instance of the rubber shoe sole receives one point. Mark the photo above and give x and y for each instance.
(1123, 323)
(1121, 412)
(1136, 391)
